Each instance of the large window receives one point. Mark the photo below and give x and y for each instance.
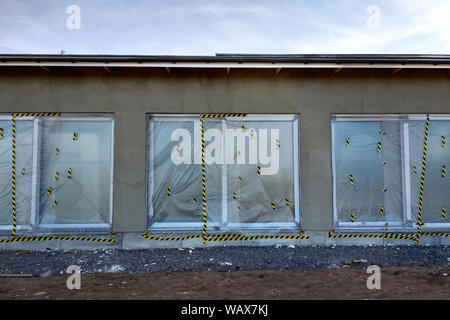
(63, 173)
(252, 178)
(377, 164)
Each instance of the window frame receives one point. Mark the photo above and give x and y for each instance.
(42, 228)
(407, 224)
(223, 225)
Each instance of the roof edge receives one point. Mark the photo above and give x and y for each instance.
(225, 58)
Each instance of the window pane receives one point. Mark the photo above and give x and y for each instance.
(176, 171)
(75, 172)
(436, 190)
(248, 183)
(24, 170)
(268, 196)
(368, 172)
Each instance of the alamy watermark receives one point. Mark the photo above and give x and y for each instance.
(373, 281)
(259, 146)
(74, 280)
(74, 20)
(373, 21)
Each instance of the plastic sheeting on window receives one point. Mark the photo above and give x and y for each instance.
(377, 168)
(250, 173)
(436, 191)
(24, 165)
(63, 174)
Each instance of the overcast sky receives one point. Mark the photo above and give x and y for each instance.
(201, 27)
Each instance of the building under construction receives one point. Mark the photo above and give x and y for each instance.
(186, 151)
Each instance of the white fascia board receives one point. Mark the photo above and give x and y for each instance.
(249, 65)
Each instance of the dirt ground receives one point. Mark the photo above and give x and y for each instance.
(346, 283)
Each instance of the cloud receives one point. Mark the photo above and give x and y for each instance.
(238, 26)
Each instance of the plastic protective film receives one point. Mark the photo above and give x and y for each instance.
(377, 166)
(63, 174)
(251, 174)
(436, 188)
(24, 172)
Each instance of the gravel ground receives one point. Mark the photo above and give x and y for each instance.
(50, 262)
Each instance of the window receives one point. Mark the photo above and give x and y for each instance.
(251, 173)
(64, 168)
(377, 162)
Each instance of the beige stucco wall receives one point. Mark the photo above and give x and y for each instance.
(131, 93)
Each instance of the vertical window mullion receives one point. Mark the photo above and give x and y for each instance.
(295, 136)
(111, 174)
(224, 174)
(333, 174)
(151, 174)
(406, 174)
(34, 219)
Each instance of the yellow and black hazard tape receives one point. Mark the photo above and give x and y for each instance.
(273, 205)
(237, 237)
(422, 179)
(13, 177)
(287, 202)
(37, 114)
(69, 173)
(352, 217)
(169, 190)
(49, 238)
(169, 238)
(226, 237)
(435, 234)
(443, 141)
(258, 171)
(443, 213)
(443, 171)
(223, 115)
(202, 129)
(244, 238)
(75, 136)
(350, 177)
(1, 134)
(384, 235)
(347, 142)
(379, 147)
